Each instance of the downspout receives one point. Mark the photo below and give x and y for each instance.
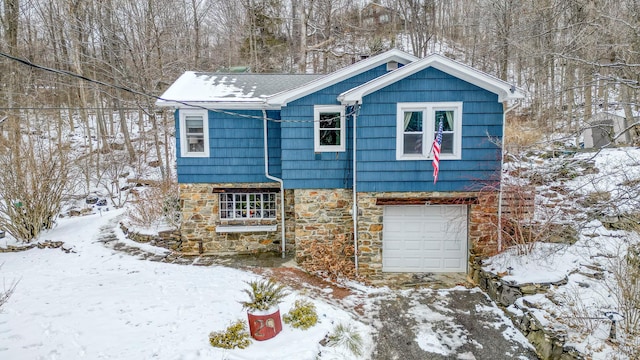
(354, 210)
(504, 127)
(266, 173)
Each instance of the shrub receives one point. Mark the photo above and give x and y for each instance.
(156, 204)
(235, 336)
(263, 295)
(6, 293)
(331, 259)
(34, 178)
(626, 291)
(303, 315)
(347, 337)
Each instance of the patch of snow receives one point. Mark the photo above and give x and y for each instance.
(434, 339)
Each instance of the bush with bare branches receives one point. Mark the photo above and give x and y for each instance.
(6, 293)
(331, 259)
(156, 205)
(34, 177)
(625, 290)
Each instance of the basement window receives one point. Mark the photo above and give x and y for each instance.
(247, 206)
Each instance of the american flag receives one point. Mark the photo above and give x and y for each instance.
(436, 152)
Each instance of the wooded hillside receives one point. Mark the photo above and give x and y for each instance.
(572, 55)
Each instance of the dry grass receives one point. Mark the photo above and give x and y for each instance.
(521, 134)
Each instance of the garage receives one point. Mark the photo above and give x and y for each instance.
(418, 238)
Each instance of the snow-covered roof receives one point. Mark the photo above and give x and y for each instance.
(229, 90)
(256, 91)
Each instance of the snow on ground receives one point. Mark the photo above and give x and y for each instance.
(436, 340)
(93, 303)
(578, 307)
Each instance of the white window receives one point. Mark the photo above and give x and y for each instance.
(194, 133)
(417, 126)
(247, 206)
(328, 128)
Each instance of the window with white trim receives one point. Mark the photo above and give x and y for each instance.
(194, 133)
(417, 126)
(328, 128)
(247, 206)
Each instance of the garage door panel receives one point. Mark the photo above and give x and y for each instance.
(412, 245)
(432, 245)
(431, 263)
(425, 238)
(452, 245)
(453, 264)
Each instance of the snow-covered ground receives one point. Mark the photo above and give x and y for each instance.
(94, 303)
(595, 187)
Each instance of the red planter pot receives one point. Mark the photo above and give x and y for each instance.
(264, 325)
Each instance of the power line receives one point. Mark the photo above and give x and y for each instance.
(62, 108)
(140, 93)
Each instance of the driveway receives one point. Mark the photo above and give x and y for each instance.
(432, 318)
(456, 323)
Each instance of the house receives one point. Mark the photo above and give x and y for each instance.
(276, 162)
(377, 17)
(605, 126)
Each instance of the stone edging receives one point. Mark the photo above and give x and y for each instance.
(47, 244)
(168, 239)
(549, 343)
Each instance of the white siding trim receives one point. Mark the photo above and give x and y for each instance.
(428, 118)
(317, 110)
(184, 148)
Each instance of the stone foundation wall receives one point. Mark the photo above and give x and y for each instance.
(200, 217)
(483, 209)
(321, 215)
(324, 215)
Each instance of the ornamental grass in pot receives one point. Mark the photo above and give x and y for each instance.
(262, 308)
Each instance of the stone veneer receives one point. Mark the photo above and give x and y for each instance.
(200, 218)
(325, 215)
(321, 215)
(482, 234)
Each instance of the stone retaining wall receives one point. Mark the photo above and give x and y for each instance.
(549, 344)
(169, 239)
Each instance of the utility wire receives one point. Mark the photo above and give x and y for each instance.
(140, 93)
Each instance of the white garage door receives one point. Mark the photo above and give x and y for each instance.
(430, 238)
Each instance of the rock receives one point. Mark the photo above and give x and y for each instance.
(91, 199)
(509, 295)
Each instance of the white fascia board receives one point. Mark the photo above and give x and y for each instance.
(282, 98)
(451, 67)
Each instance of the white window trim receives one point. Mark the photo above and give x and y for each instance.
(316, 128)
(428, 109)
(184, 147)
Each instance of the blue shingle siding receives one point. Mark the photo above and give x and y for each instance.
(301, 167)
(236, 150)
(378, 169)
(236, 145)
